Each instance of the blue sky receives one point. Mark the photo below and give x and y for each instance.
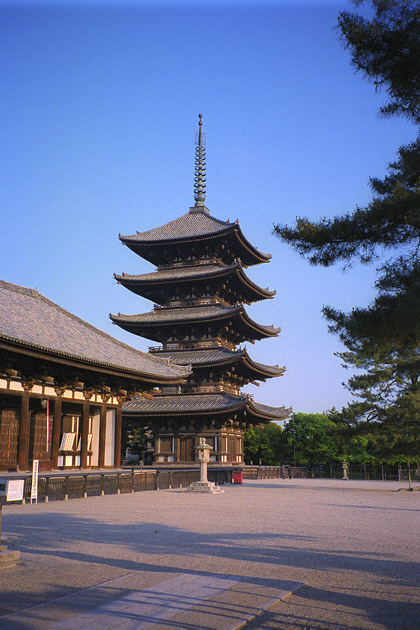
(100, 104)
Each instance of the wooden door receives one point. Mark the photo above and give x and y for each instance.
(41, 437)
(186, 449)
(231, 449)
(9, 435)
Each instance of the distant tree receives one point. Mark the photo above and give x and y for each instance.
(390, 436)
(134, 438)
(382, 339)
(309, 439)
(274, 433)
(352, 444)
(263, 444)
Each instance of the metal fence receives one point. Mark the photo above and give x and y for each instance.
(274, 472)
(365, 472)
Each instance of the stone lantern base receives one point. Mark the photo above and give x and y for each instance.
(205, 486)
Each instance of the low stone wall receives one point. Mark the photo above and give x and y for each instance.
(78, 485)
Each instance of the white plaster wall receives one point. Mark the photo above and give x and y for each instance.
(14, 385)
(110, 437)
(95, 437)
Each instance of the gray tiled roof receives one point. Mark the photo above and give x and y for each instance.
(190, 314)
(206, 356)
(210, 356)
(191, 273)
(188, 225)
(201, 403)
(275, 370)
(277, 413)
(184, 403)
(193, 225)
(163, 315)
(178, 273)
(26, 316)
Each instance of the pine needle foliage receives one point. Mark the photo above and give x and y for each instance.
(382, 340)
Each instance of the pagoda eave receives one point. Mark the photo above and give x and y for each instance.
(185, 405)
(232, 324)
(182, 405)
(264, 413)
(229, 238)
(206, 360)
(229, 281)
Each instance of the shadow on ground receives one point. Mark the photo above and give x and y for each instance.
(153, 547)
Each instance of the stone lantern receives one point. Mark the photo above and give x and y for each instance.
(203, 454)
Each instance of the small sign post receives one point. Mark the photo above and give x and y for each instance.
(34, 487)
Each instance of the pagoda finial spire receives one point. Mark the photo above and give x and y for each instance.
(200, 165)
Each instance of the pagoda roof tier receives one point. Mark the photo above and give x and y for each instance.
(234, 321)
(215, 357)
(262, 413)
(233, 284)
(160, 245)
(204, 404)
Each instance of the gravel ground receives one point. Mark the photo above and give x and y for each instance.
(353, 543)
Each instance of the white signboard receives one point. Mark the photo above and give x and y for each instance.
(12, 489)
(67, 442)
(15, 490)
(34, 488)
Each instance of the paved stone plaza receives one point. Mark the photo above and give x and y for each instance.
(346, 550)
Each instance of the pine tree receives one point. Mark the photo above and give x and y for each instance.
(382, 339)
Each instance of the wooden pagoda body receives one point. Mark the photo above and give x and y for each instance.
(199, 290)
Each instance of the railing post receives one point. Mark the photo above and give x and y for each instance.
(47, 483)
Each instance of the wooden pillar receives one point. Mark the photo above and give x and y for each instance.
(118, 434)
(24, 429)
(56, 432)
(102, 435)
(84, 431)
(157, 446)
(177, 448)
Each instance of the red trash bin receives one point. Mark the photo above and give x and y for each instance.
(238, 476)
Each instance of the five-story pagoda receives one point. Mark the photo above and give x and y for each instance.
(199, 289)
